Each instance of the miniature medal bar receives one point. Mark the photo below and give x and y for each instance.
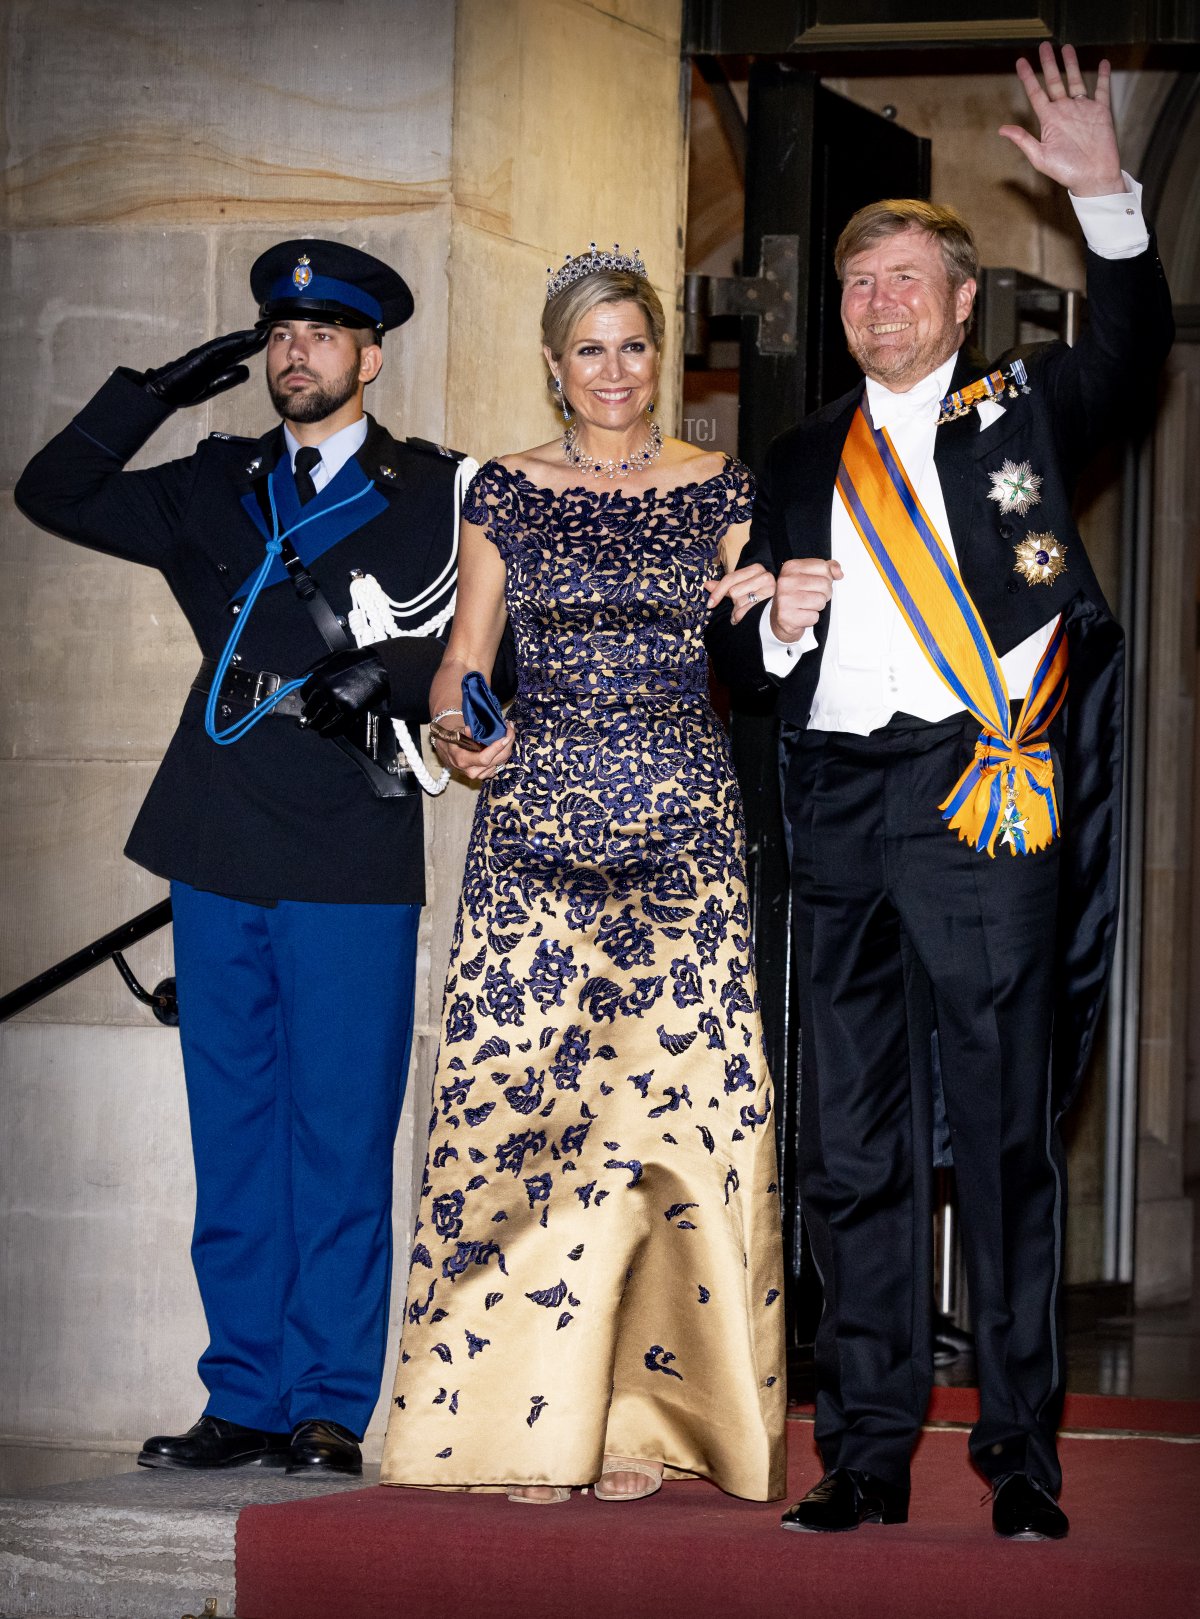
(1010, 379)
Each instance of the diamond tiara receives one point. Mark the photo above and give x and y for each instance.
(591, 263)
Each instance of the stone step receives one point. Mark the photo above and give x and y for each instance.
(148, 1544)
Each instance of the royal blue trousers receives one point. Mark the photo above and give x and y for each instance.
(296, 1024)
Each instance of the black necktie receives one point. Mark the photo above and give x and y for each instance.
(307, 462)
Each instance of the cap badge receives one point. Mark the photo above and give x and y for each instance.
(302, 274)
(1015, 487)
(1040, 559)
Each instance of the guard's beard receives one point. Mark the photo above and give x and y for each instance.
(316, 403)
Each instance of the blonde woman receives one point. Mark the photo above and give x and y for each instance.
(595, 1293)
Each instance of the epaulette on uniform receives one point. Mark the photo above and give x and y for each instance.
(428, 447)
(233, 438)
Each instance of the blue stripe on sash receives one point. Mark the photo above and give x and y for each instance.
(888, 568)
(965, 788)
(950, 575)
(1046, 793)
(1044, 697)
(993, 814)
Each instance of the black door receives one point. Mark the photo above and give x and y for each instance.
(812, 159)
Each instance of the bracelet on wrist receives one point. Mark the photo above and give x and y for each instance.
(443, 713)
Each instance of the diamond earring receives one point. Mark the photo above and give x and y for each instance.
(562, 399)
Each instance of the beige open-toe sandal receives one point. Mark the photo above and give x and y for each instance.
(650, 1474)
(548, 1495)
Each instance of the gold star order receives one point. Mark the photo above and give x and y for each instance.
(1040, 559)
(1015, 487)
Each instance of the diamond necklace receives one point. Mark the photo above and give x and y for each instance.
(619, 466)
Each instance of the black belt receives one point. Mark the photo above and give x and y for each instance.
(252, 687)
(390, 778)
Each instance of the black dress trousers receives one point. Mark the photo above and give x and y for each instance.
(900, 927)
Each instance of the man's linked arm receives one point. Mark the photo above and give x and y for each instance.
(736, 649)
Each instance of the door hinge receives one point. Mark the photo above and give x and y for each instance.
(771, 295)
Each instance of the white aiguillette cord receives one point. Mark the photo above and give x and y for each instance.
(374, 616)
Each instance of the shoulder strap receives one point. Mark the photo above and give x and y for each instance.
(329, 626)
(428, 447)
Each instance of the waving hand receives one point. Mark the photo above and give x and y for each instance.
(1076, 142)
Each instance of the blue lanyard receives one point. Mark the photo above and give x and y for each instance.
(236, 731)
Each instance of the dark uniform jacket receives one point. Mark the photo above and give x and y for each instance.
(283, 813)
(1078, 397)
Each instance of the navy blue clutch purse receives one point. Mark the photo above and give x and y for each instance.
(482, 714)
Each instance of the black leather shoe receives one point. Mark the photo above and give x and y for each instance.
(1024, 1509)
(213, 1442)
(323, 1447)
(844, 1499)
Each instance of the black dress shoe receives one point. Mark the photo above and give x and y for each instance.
(950, 1341)
(1024, 1509)
(844, 1499)
(213, 1442)
(323, 1447)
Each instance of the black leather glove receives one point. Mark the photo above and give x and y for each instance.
(204, 372)
(341, 687)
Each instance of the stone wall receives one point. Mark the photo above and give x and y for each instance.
(152, 151)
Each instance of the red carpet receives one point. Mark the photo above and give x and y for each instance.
(690, 1552)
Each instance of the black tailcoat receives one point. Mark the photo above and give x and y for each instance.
(1079, 396)
(283, 813)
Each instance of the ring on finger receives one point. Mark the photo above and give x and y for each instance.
(751, 598)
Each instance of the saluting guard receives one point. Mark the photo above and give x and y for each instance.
(287, 817)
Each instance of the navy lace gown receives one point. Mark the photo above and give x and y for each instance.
(597, 1265)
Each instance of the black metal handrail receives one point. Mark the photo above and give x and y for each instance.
(161, 1000)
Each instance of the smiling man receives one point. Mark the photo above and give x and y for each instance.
(293, 846)
(907, 297)
(955, 843)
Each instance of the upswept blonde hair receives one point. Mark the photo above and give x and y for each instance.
(562, 314)
(879, 220)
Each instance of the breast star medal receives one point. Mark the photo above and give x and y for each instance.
(1015, 487)
(1040, 559)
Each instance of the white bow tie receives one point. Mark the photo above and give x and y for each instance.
(892, 410)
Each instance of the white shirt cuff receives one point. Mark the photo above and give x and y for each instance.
(1113, 227)
(781, 657)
